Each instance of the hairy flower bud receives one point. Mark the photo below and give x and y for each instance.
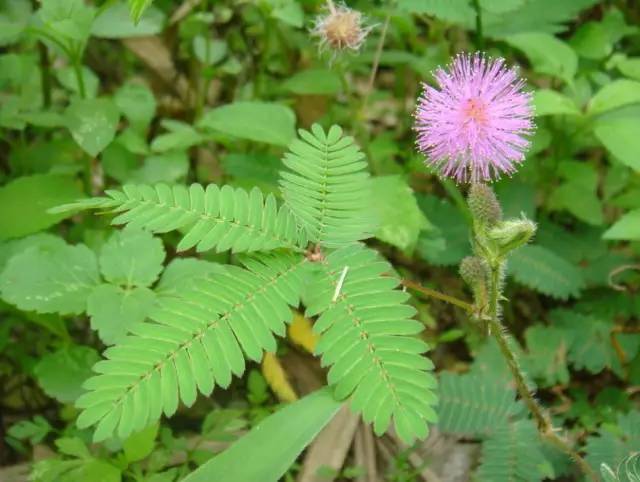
(341, 28)
(484, 204)
(473, 271)
(512, 234)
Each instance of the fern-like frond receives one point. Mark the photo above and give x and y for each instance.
(513, 453)
(472, 405)
(221, 218)
(327, 187)
(368, 338)
(196, 341)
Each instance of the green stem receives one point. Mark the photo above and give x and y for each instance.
(77, 68)
(499, 333)
(436, 294)
(479, 32)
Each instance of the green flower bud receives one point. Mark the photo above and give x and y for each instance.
(472, 271)
(484, 205)
(512, 234)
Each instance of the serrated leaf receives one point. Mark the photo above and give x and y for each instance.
(132, 258)
(255, 121)
(62, 373)
(50, 279)
(544, 271)
(114, 310)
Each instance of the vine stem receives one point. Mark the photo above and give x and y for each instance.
(545, 426)
(479, 28)
(436, 294)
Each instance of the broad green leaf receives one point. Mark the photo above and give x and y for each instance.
(591, 41)
(630, 67)
(14, 18)
(25, 202)
(255, 121)
(116, 22)
(618, 131)
(551, 102)
(73, 446)
(457, 11)
(168, 167)
(114, 310)
(69, 19)
(547, 54)
(132, 258)
(289, 12)
(625, 228)
(50, 278)
(137, 8)
(313, 82)
(137, 103)
(67, 77)
(185, 271)
(180, 136)
(92, 123)
(255, 457)
(400, 220)
(578, 194)
(62, 373)
(11, 248)
(209, 51)
(139, 445)
(516, 198)
(546, 272)
(616, 94)
(501, 6)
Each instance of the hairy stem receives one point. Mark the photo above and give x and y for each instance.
(479, 32)
(542, 419)
(436, 294)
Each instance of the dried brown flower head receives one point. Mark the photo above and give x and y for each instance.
(340, 28)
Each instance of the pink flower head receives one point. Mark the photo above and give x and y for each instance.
(475, 125)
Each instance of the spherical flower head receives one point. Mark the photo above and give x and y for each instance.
(476, 124)
(340, 28)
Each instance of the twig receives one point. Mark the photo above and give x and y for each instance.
(436, 294)
(545, 426)
(376, 62)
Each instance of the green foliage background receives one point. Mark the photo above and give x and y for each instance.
(157, 95)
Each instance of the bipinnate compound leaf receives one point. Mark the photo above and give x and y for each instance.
(474, 405)
(51, 278)
(62, 373)
(196, 340)
(255, 121)
(368, 338)
(256, 457)
(114, 309)
(25, 202)
(92, 123)
(327, 187)
(544, 271)
(131, 257)
(221, 218)
(513, 452)
(613, 447)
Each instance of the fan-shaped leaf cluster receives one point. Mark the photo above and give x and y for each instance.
(368, 338)
(327, 187)
(221, 218)
(196, 341)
